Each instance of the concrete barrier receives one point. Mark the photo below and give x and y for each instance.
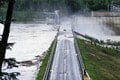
(85, 75)
(105, 14)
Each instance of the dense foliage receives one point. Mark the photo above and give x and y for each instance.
(28, 8)
(98, 4)
(73, 5)
(47, 4)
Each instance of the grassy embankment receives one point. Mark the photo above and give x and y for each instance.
(42, 70)
(101, 63)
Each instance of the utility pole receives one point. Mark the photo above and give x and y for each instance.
(57, 19)
(6, 31)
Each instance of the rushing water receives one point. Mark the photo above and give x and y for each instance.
(30, 40)
(94, 27)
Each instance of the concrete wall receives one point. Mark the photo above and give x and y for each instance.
(105, 14)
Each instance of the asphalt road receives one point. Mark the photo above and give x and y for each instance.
(65, 64)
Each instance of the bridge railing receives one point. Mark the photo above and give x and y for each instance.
(49, 65)
(80, 59)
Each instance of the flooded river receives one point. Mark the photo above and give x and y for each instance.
(30, 40)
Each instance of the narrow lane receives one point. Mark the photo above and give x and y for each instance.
(65, 64)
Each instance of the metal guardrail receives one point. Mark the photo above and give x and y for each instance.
(82, 66)
(49, 65)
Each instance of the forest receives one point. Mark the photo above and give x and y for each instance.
(73, 5)
(30, 8)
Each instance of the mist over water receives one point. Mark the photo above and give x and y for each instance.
(93, 27)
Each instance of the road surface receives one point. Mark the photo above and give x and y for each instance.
(65, 63)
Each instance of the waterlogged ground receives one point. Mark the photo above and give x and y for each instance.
(94, 27)
(30, 40)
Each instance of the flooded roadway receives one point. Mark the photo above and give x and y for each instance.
(65, 64)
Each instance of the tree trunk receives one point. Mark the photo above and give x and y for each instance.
(6, 32)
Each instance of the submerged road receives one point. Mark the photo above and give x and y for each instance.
(65, 63)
